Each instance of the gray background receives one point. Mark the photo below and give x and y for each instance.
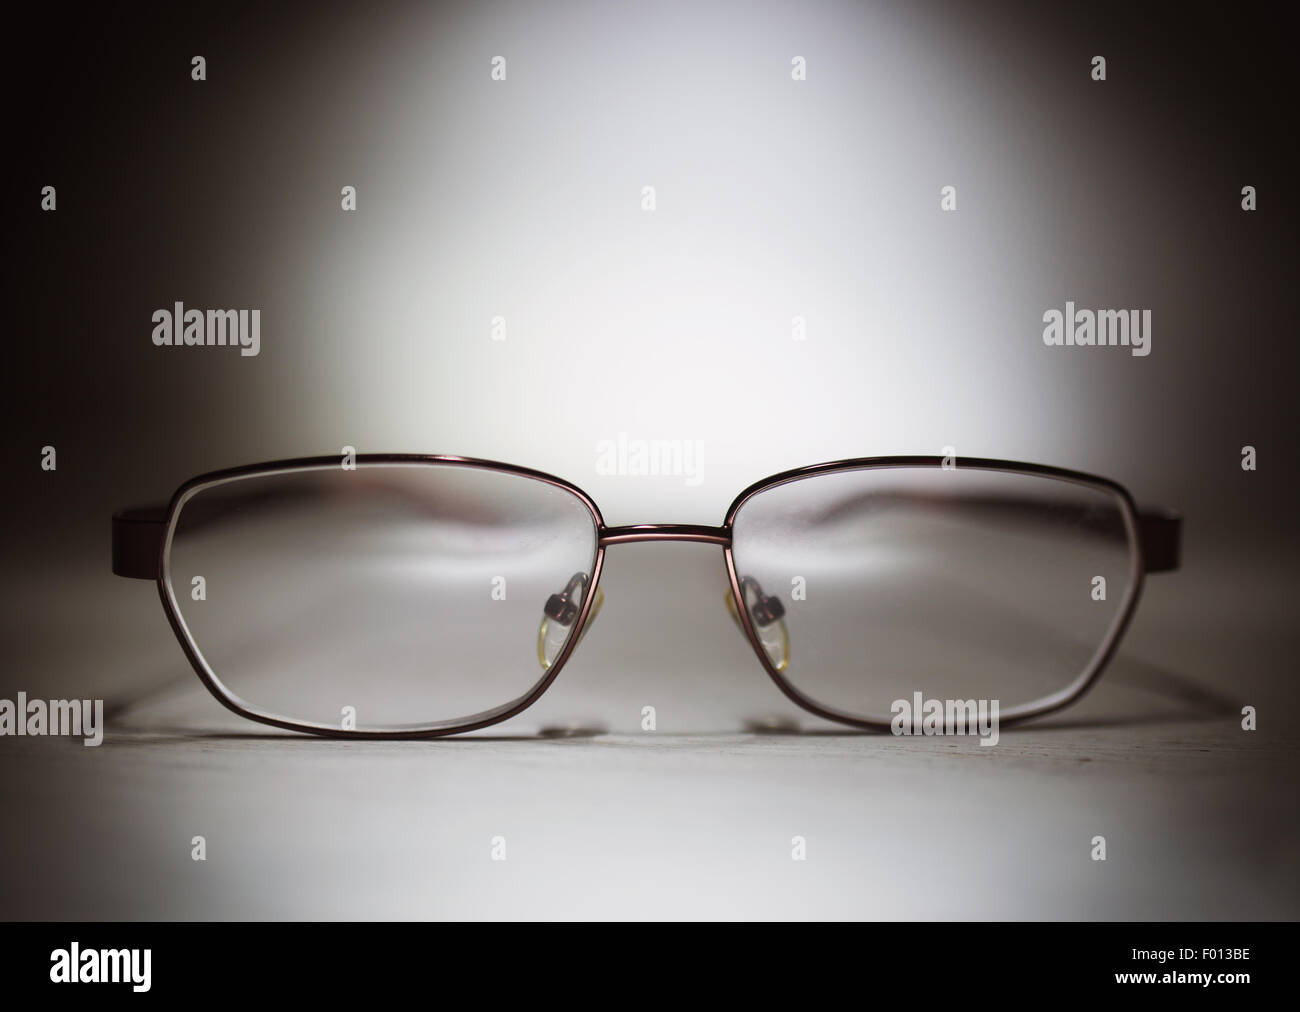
(522, 199)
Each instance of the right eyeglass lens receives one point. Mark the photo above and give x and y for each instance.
(392, 597)
(958, 584)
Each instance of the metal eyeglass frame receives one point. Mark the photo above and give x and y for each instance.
(142, 538)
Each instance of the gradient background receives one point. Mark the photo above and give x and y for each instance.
(522, 199)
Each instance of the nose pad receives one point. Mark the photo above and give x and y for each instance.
(558, 615)
(768, 616)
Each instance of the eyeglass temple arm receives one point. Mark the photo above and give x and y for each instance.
(1160, 533)
(138, 535)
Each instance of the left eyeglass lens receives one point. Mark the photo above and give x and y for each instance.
(389, 597)
(869, 586)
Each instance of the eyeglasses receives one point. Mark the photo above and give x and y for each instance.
(400, 595)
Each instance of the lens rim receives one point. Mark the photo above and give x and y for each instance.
(1070, 694)
(239, 706)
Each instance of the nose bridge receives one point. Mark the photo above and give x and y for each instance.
(666, 532)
